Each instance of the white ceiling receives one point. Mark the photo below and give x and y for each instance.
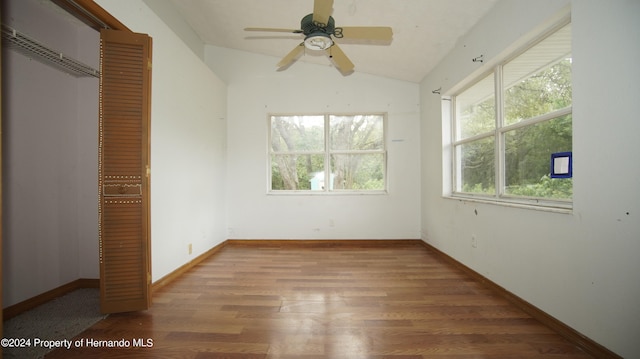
(424, 31)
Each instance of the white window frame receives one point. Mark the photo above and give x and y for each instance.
(498, 133)
(327, 152)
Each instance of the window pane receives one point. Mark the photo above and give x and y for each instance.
(360, 132)
(539, 81)
(357, 171)
(297, 172)
(297, 133)
(475, 109)
(477, 172)
(527, 159)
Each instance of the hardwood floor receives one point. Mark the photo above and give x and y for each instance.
(318, 301)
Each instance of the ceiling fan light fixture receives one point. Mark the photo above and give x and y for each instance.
(318, 41)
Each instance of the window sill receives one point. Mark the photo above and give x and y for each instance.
(326, 193)
(546, 206)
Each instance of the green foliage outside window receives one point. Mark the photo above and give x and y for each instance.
(353, 153)
(536, 122)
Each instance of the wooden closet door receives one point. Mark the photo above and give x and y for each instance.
(124, 123)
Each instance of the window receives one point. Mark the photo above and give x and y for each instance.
(327, 153)
(507, 124)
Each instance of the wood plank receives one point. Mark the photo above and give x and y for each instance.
(327, 300)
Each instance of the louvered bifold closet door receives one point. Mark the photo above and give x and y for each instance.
(125, 265)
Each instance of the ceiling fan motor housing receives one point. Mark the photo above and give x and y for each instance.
(308, 26)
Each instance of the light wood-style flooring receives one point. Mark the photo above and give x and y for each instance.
(322, 301)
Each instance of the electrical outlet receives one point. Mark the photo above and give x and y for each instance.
(190, 248)
(474, 242)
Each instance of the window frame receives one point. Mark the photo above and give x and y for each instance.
(327, 152)
(498, 134)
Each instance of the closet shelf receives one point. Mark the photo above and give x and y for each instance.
(32, 48)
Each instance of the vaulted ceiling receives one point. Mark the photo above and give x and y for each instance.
(424, 31)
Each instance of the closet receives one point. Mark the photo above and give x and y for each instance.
(76, 156)
(49, 111)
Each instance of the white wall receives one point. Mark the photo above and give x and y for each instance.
(50, 122)
(256, 89)
(581, 268)
(188, 129)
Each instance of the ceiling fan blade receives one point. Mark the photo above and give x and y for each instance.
(322, 10)
(367, 32)
(291, 56)
(340, 60)
(272, 30)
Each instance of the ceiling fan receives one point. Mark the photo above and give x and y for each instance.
(319, 30)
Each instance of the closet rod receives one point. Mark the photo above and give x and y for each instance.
(38, 51)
